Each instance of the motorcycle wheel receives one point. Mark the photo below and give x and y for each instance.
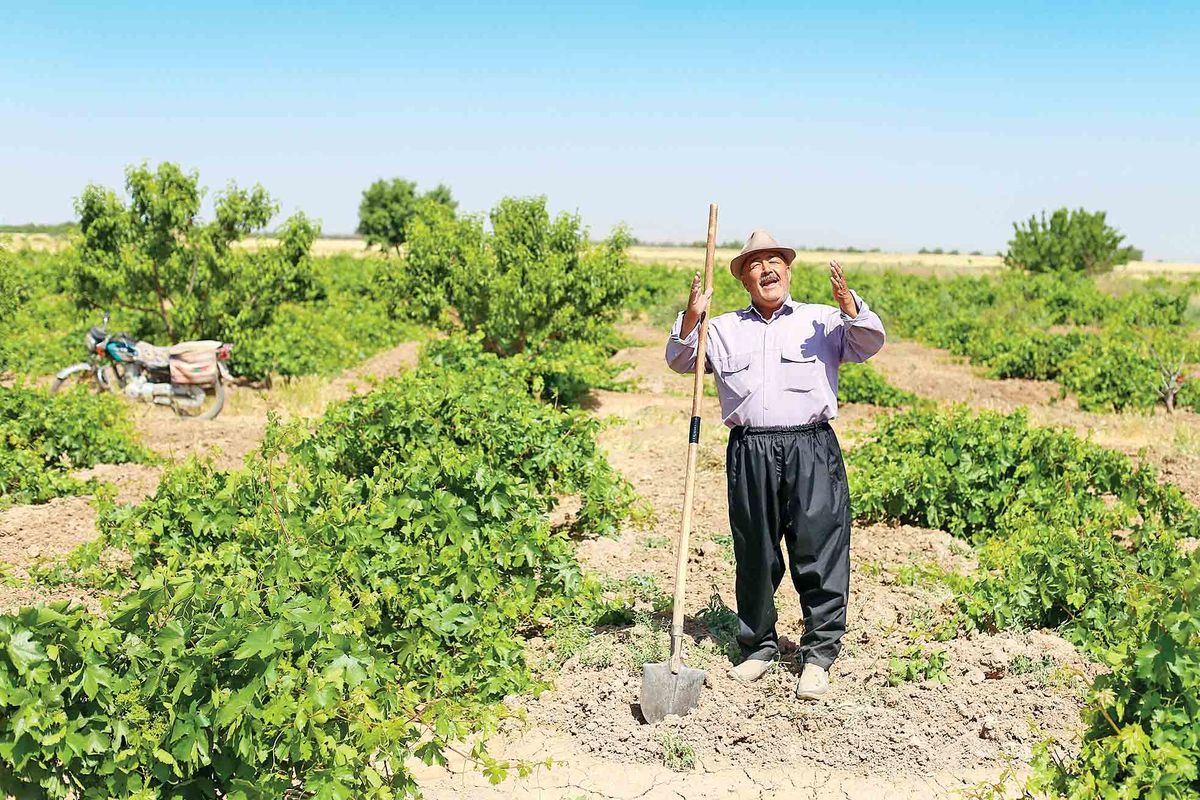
(112, 378)
(75, 379)
(214, 401)
(102, 379)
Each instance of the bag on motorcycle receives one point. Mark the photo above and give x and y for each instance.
(197, 365)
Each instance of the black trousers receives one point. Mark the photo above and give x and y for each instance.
(789, 484)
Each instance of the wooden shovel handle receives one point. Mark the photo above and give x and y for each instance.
(681, 552)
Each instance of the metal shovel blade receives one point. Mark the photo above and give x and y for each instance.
(665, 692)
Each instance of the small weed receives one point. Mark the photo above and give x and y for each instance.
(641, 588)
(678, 755)
(705, 654)
(1039, 668)
(722, 624)
(960, 548)
(642, 515)
(645, 644)
(926, 622)
(568, 639)
(921, 618)
(655, 542)
(997, 789)
(872, 568)
(923, 574)
(725, 542)
(914, 664)
(597, 653)
(947, 627)
(710, 459)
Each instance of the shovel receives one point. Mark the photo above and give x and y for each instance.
(670, 687)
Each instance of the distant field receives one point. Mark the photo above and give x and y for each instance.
(910, 262)
(321, 247)
(924, 263)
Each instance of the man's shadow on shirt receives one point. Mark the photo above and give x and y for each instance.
(823, 342)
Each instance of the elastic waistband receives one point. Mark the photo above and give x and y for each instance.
(766, 430)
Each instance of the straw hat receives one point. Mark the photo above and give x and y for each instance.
(759, 241)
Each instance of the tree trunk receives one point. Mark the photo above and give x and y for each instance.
(162, 305)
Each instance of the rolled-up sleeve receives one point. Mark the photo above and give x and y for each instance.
(681, 352)
(862, 336)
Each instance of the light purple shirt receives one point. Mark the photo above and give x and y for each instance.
(782, 370)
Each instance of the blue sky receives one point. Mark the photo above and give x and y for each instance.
(856, 124)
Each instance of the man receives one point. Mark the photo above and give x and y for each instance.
(776, 365)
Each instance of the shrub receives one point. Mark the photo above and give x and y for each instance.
(972, 473)
(13, 291)
(559, 372)
(1143, 736)
(355, 596)
(45, 436)
(347, 324)
(31, 302)
(1075, 537)
(1110, 373)
(534, 288)
(1070, 241)
(861, 383)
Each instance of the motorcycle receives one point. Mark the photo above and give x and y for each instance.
(189, 376)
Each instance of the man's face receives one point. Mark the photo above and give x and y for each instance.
(767, 277)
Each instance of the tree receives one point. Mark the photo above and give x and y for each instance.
(176, 276)
(531, 281)
(1070, 241)
(388, 207)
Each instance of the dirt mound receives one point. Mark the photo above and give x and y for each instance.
(1000, 694)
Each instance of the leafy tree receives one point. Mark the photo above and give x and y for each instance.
(1070, 241)
(530, 282)
(180, 277)
(388, 207)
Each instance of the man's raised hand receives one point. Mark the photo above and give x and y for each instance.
(697, 305)
(841, 292)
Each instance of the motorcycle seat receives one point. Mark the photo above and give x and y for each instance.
(198, 346)
(152, 355)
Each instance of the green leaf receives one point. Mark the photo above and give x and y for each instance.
(24, 651)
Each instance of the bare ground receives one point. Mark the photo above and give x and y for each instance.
(868, 739)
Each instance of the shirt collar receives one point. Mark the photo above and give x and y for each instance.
(788, 306)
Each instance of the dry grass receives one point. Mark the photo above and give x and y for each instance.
(321, 247)
(693, 257)
(922, 263)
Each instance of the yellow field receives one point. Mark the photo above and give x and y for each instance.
(693, 257)
(321, 247)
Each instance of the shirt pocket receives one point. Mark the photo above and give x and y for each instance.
(736, 373)
(798, 372)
